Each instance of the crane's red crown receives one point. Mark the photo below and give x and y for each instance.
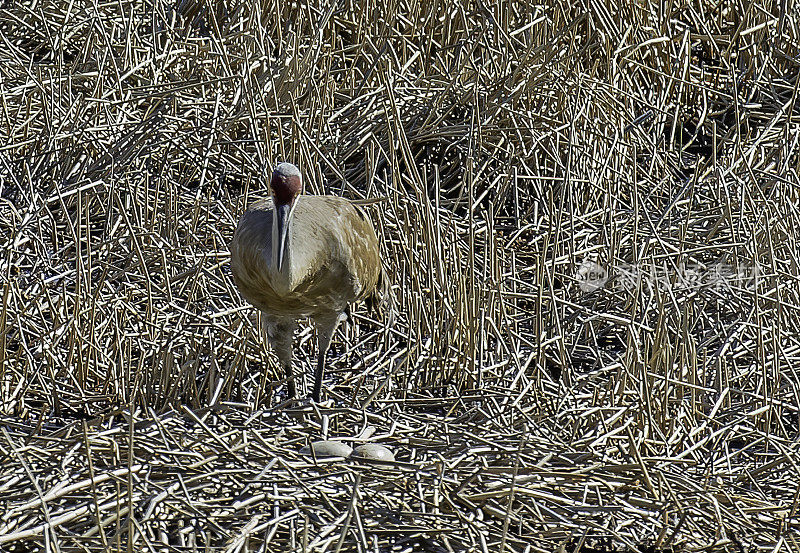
(286, 183)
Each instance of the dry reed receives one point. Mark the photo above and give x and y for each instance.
(589, 218)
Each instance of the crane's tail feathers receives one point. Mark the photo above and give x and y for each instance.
(381, 301)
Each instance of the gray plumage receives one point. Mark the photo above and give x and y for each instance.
(330, 260)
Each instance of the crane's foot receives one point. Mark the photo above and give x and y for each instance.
(302, 402)
(305, 404)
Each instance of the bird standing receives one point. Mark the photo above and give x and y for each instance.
(295, 256)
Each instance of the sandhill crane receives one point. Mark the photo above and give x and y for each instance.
(295, 256)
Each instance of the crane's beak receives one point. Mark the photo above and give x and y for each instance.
(282, 212)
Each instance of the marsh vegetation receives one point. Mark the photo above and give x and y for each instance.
(589, 213)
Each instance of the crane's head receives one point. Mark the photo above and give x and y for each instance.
(286, 184)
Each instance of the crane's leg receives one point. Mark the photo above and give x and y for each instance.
(280, 334)
(326, 325)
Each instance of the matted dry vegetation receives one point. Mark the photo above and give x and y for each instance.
(514, 145)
